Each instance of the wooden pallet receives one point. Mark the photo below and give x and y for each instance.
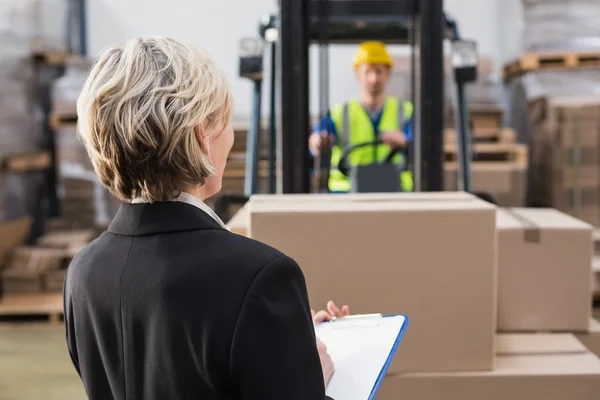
(57, 58)
(18, 306)
(58, 120)
(235, 173)
(555, 60)
(481, 117)
(236, 166)
(490, 135)
(491, 152)
(26, 162)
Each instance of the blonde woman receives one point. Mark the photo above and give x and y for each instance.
(168, 304)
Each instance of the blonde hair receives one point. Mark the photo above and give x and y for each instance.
(138, 112)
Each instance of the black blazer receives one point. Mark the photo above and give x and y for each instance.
(169, 305)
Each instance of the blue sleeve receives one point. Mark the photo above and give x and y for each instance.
(408, 129)
(325, 124)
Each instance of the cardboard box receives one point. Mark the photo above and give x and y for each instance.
(65, 239)
(401, 256)
(13, 234)
(55, 280)
(565, 155)
(18, 281)
(544, 271)
(591, 338)
(37, 259)
(535, 366)
(239, 222)
(360, 197)
(596, 274)
(505, 181)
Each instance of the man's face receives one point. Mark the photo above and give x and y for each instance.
(373, 78)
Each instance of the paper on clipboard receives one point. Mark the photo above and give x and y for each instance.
(361, 348)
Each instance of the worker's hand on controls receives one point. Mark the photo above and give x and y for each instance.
(394, 139)
(320, 141)
(333, 311)
(326, 362)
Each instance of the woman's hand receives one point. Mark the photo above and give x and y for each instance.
(326, 362)
(332, 312)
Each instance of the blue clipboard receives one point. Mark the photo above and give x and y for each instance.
(346, 331)
(388, 362)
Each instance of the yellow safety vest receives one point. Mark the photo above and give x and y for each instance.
(353, 126)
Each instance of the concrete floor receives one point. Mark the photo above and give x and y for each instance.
(35, 364)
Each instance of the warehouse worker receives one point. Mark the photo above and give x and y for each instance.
(375, 115)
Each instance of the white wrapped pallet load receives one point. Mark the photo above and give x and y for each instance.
(557, 25)
(19, 131)
(67, 88)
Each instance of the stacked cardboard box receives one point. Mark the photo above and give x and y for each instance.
(596, 264)
(542, 283)
(235, 171)
(28, 268)
(484, 117)
(42, 268)
(505, 181)
(565, 156)
(501, 170)
(81, 201)
(235, 174)
(85, 202)
(12, 234)
(544, 271)
(534, 245)
(542, 366)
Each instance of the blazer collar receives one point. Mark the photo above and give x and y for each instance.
(160, 217)
(190, 199)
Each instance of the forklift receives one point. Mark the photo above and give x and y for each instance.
(325, 22)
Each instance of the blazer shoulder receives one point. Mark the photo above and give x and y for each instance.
(250, 247)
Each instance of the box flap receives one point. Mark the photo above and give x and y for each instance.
(505, 220)
(491, 166)
(594, 327)
(371, 197)
(538, 343)
(549, 218)
(407, 205)
(548, 364)
(521, 365)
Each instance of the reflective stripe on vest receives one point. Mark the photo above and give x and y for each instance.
(355, 126)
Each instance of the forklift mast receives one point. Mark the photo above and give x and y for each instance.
(353, 21)
(301, 23)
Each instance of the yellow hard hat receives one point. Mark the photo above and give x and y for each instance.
(372, 52)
